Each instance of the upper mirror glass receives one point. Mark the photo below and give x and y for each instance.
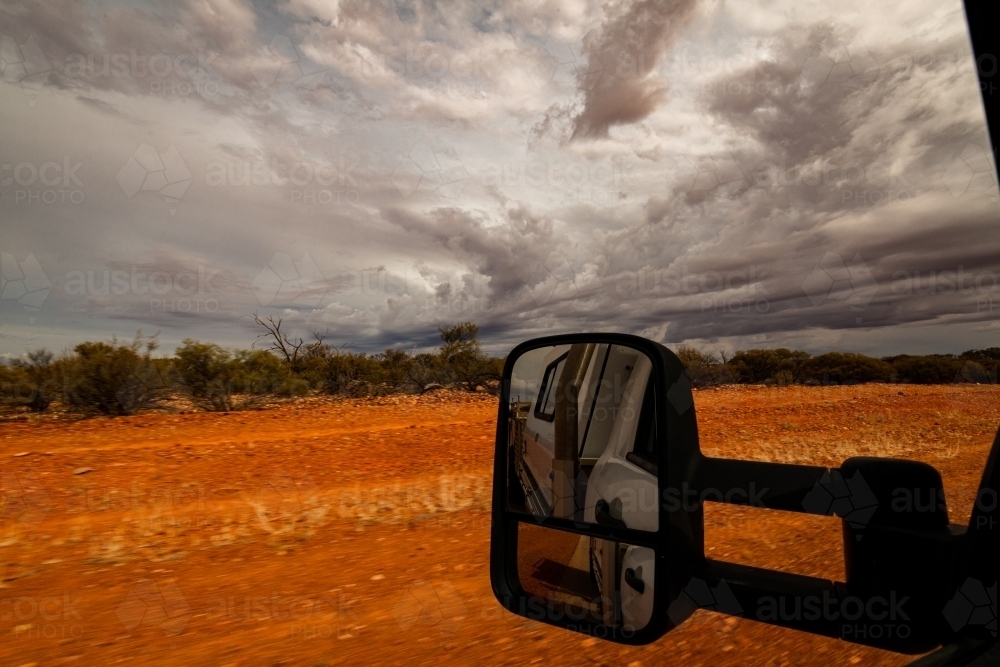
(582, 435)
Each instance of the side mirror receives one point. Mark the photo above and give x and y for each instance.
(579, 538)
(599, 486)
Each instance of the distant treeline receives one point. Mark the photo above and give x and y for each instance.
(784, 367)
(118, 378)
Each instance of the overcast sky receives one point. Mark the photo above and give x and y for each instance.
(728, 175)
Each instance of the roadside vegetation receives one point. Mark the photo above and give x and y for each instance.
(784, 367)
(124, 377)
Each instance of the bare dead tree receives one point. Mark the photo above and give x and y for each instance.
(318, 348)
(279, 341)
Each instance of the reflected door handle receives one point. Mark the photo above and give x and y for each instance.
(635, 582)
(602, 512)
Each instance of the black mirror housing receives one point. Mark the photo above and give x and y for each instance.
(677, 543)
(892, 552)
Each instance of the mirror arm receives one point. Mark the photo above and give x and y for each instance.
(778, 486)
(799, 602)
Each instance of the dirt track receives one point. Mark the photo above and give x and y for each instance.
(358, 532)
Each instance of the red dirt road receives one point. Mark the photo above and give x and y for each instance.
(357, 532)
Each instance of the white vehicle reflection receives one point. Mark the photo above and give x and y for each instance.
(583, 443)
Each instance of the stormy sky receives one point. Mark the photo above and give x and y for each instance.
(727, 175)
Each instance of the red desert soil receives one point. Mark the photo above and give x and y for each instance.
(357, 532)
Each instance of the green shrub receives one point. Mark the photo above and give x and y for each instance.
(704, 369)
(977, 373)
(208, 374)
(352, 374)
(426, 369)
(260, 372)
(462, 361)
(15, 388)
(31, 381)
(782, 378)
(928, 369)
(37, 367)
(990, 353)
(984, 368)
(114, 378)
(395, 365)
(759, 366)
(844, 368)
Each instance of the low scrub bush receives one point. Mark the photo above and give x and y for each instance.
(31, 381)
(929, 369)
(259, 372)
(780, 366)
(981, 366)
(353, 374)
(208, 374)
(118, 378)
(704, 370)
(115, 378)
(462, 361)
(844, 368)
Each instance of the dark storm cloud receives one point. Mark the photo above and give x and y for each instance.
(822, 185)
(508, 255)
(616, 81)
(833, 124)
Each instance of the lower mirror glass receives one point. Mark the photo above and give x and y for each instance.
(586, 578)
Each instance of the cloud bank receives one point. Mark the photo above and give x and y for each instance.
(718, 174)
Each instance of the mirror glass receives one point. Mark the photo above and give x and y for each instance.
(586, 578)
(582, 435)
